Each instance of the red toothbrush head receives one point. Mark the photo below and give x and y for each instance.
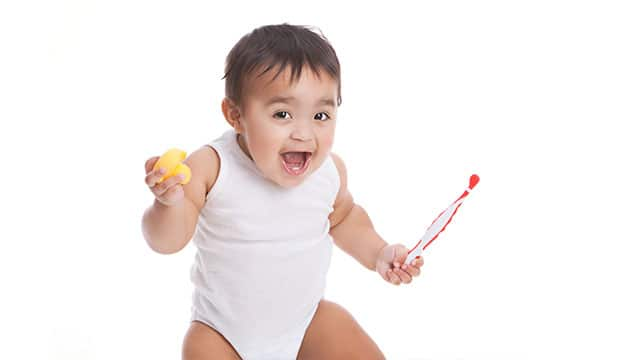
(473, 181)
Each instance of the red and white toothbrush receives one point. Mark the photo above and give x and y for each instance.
(440, 223)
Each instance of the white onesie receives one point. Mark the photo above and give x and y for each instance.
(263, 252)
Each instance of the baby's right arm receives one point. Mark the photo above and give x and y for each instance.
(169, 223)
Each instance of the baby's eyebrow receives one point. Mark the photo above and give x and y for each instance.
(281, 99)
(289, 99)
(329, 102)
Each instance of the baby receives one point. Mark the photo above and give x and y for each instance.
(266, 202)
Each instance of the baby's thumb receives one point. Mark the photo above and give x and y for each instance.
(148, 165)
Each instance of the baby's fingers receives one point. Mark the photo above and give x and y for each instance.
(163, 187)
(154, 177)
(412, 270)
(404, 276)
(393, 278)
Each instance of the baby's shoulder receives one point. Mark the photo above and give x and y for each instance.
(340, 166)
(344, 200)
(205, 167)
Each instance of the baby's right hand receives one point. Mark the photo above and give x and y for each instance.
(168, 192)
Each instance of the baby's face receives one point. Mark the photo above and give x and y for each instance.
(279, 117)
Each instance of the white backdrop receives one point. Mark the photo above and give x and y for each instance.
(538, 98)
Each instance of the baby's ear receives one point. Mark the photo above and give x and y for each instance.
(231, 112)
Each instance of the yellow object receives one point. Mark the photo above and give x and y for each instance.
(172, 162)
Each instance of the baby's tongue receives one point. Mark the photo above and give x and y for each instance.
(294, 158)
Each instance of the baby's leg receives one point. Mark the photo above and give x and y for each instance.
(335, 334)
(204, 343)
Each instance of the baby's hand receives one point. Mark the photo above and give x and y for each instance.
(390, 264)
(168, 192)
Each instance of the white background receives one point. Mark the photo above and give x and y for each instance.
(539, 98)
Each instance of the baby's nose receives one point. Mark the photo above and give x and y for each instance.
(302, 131)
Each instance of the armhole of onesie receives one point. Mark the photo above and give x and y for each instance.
(215, 188)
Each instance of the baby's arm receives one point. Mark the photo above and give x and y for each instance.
(351, 227)
(168, 229)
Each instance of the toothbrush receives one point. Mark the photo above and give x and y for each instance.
(440, 223)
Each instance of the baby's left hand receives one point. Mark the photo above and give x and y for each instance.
(390, 264)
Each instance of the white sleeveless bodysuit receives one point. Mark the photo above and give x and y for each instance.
(263, 253)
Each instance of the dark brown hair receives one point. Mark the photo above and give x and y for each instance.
(283, 45)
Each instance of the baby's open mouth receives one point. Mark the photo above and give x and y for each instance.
(296, 162)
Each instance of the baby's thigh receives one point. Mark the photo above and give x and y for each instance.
(204, 343)
(335, 334)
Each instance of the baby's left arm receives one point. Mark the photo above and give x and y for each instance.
(353, 232)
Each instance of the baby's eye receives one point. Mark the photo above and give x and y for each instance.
(322, 113)
(282, 114)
